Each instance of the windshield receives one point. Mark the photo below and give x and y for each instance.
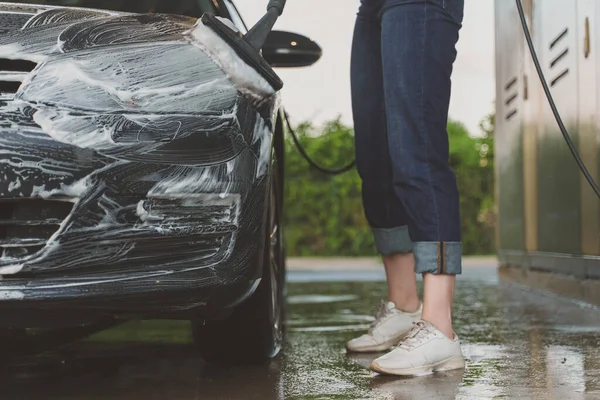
(191, 8)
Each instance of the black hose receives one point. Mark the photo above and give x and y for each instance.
(557, 116)
(307, 157)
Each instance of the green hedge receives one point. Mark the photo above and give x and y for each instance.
(324, 215)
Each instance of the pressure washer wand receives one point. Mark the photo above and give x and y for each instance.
(257, 36)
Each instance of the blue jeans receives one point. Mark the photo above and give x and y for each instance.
(402, 57)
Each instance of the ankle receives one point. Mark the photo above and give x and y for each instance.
(444, 325)
(406, 305)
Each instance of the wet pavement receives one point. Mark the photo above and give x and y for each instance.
(519, 345)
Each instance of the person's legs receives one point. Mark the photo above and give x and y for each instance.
(418, 52)
(383, 209)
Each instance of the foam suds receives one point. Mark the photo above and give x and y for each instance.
(11, 295)
(73, 191)
(11, 269)
(141, 211)
(17, 52)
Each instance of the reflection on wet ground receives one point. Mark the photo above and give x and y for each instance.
(518, 344)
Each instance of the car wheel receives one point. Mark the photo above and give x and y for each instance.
(254, 331)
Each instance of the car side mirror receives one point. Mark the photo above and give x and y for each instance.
(286, 49)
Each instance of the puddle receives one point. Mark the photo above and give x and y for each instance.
(576, 329)
(340, 328)
(317, 298)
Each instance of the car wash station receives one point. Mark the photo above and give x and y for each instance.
(170, 228)
(549, 215)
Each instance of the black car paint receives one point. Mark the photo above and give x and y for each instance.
(167, 202)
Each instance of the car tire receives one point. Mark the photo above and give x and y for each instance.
(253, 333)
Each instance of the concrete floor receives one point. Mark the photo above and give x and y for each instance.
(519, 345)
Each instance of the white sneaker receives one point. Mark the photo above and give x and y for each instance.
(389, 328)
(425, 350)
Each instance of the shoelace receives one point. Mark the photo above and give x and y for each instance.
(419, 331)
(382, 313)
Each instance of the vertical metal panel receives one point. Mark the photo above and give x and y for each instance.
(587, 62)
(559, 185)
(509, 126)
(498, 124)
(532, 116)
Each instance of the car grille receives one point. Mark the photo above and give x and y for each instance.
(12, 74)
(27, 224)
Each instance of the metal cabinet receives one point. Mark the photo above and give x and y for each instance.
(547, 211)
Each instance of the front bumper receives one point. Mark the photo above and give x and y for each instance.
(139, 237)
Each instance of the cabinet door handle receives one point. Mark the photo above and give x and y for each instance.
(586, 41)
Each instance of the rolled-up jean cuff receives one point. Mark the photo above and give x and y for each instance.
(439, 258)
(390, 241)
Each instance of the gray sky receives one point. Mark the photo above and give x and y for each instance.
(322, 92)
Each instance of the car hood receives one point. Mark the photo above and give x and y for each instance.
(39, 31)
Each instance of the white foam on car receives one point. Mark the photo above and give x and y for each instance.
(208, 79)
(245, 78)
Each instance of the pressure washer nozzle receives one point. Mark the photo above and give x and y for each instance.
(278, 4)
(257, 35)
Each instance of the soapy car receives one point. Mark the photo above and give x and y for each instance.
(141, 173)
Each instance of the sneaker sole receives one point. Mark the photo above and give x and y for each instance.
(448, 364)
(378, 348)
